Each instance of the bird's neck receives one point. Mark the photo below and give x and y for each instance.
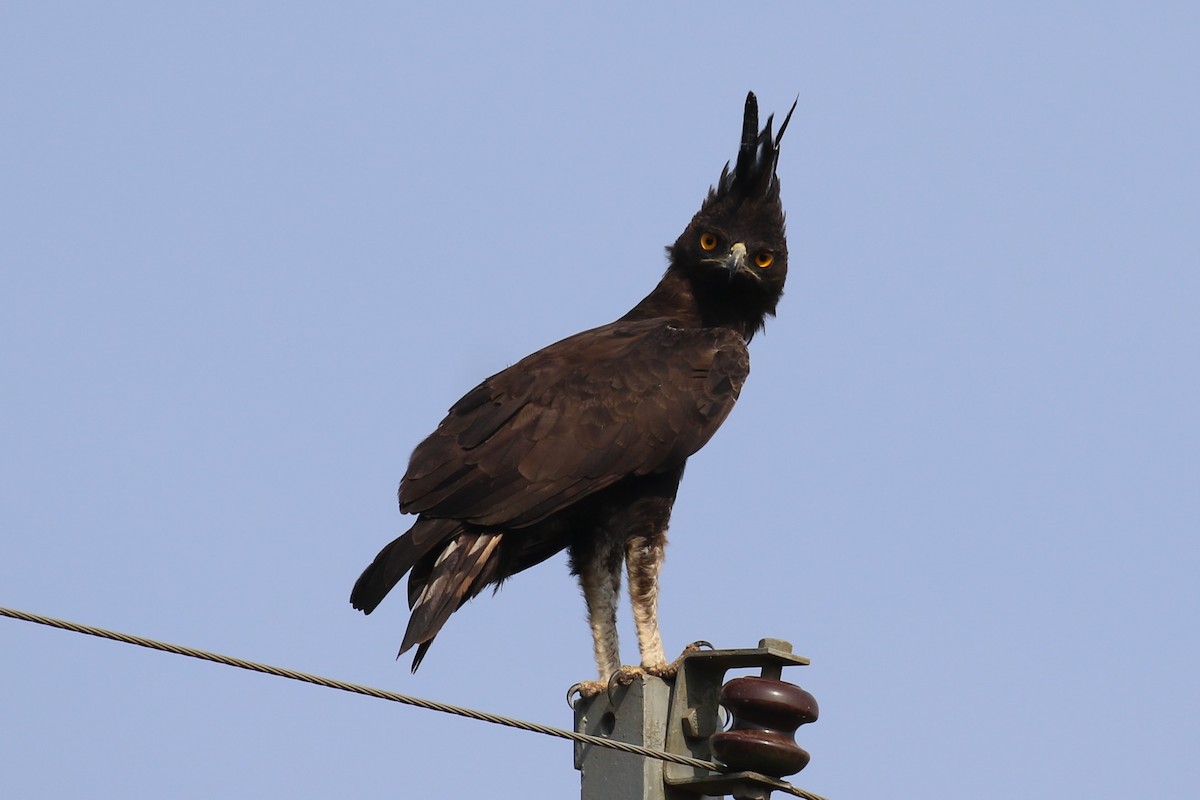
(699, 305)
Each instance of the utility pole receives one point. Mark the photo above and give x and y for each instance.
(635, 714)
(684, 717)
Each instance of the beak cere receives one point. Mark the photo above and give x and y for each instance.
(737, 259)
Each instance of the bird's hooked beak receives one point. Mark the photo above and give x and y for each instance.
(736, 262)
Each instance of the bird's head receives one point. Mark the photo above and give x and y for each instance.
(734, 251)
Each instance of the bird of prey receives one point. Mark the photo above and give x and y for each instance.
(581, 445)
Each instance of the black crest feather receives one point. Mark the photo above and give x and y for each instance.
(754, 173)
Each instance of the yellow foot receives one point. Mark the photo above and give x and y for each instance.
(625, 676)
(586, 691)
(669, 671)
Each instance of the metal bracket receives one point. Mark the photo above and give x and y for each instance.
(694, 716)
(679, 719)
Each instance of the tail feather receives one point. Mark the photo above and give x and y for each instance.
(462, 569)
(398, 558)
(447, 566)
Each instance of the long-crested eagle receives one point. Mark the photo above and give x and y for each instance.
(581, 445)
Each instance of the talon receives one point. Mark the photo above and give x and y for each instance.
(609, 688)
(623, 677)
(699, 645)
(586, 691)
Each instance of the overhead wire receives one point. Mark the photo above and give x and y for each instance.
(382, 694)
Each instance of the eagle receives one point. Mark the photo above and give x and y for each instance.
(581, 446)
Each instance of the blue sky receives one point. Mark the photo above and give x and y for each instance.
(251, 254)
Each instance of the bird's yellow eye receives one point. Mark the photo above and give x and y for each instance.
(708, 241)
(764, 259)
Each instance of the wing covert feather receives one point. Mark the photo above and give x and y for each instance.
(575, 417)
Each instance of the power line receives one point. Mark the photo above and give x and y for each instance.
(382, 694)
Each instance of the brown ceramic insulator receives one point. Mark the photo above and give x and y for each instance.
(765, 715)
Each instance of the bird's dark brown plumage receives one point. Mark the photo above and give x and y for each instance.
(581, 445)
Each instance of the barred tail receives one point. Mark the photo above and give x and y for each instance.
(448, 564)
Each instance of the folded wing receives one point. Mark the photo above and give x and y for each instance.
(628, 398)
